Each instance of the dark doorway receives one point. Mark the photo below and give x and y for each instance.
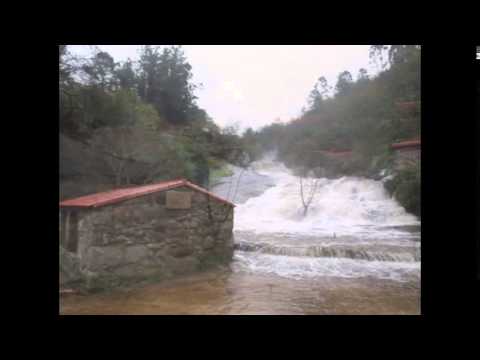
(63, 235)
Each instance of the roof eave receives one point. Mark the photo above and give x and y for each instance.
(184, 182)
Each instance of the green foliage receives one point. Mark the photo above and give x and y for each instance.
(250, 145)
(126, 76)
(227, 145)
(148, 117)
(219, 171)
(344, 83)
(97, 108)
(384, 55)
(164, 81)
(96, 91)
(315, 99)
(141, 118)
(362, 116)
(405, 187)
(100, 70)
(148, 109)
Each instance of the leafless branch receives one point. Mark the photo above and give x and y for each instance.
(313, 189)
(236, 187)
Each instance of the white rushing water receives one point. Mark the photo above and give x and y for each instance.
(347, 206)
(353, 228)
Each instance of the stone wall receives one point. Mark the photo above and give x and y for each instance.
(69, 268)
(407, 157)
(142, 238)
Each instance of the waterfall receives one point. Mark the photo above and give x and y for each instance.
(370, 253)
(344, 206)
(353, 228)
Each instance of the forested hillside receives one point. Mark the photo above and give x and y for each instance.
(125, 123)
(361, 114)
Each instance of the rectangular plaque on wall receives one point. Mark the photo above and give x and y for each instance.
(179, 200)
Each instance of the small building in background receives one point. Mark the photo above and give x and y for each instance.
(407, 153)
(152, 231)
(409, 108)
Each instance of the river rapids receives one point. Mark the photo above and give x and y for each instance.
(356, 251)
(352, 229)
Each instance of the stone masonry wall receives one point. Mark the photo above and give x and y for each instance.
(406, 157)
(141, 238)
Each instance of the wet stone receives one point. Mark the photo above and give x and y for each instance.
(141, 232)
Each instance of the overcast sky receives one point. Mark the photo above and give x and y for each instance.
(253, 85)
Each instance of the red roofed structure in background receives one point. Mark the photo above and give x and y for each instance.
(337, 152)
(408, 106)
(334, 152)
(117, 195)
(408, 144)
(407, 153)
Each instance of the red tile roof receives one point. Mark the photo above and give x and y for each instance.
(114, 196)
(407, 144)
(338, 152)
(408, 105)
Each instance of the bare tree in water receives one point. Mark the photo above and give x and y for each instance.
(308, 188)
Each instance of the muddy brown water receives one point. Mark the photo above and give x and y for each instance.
(225, 292)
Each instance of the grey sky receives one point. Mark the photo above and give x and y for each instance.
(253, 85)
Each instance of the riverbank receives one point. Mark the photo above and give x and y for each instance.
(356, 253)
(224, 292)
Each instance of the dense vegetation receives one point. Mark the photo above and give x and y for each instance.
(138, 122)
(135, 122)
(365, 116)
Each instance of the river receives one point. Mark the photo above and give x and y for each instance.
(355, 252)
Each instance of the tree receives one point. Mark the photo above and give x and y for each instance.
(148, 73)
(315, 99)
(125, 74)
(377, 55)
(136, 155)
(147, 116)
(398, 54)
(325, 89)
(165, 82)
(100, 108)
(344, 83)
(388, 55)
(251, 144)
(362, 75)
(68, 96)
(121, 145)
(308, 188)
(320, 92)
(362, 116)
(65, 67)
(100, 71)
(141, 117)
(179, 98)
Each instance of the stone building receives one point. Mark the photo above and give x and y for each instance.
(407, 153)
(153, 231)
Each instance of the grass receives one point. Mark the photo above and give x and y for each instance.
(223, 170)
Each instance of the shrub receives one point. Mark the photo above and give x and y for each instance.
(405, 188)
